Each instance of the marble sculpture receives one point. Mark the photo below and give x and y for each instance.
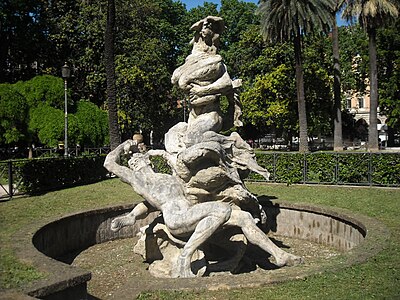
(207, 215)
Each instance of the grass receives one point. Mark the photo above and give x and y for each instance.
(20, 212)
(378, 278)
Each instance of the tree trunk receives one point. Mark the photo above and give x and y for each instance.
(373, 109)
(301, 102)
(115, 138)
(337, 121)
(30, 151)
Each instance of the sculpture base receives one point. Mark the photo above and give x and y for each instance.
(224, 251)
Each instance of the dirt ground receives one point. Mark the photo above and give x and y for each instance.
(113, 264)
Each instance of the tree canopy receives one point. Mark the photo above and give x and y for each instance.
(13, 115)
(371, 15)
(283, 20)
(151, 40)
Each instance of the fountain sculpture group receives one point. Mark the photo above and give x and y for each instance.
(207, 215)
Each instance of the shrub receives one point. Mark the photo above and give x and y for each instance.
(41, 175)
(385, 168)
(353, 168)
(160, 165)
(331, 167)
(321, 168)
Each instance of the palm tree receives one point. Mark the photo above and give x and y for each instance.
(109, 40)
(337, 120)
(289, 20)
(371, 15)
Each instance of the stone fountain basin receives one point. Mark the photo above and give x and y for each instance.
(51, 247)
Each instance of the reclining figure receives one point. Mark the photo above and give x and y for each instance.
(183, 218)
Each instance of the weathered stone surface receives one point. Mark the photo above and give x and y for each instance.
(205, 194)
(160, 249)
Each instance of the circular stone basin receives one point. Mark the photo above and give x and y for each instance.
(343, 238)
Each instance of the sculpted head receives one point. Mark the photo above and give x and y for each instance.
(207, 32)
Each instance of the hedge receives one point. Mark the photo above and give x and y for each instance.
(38, 175)
(358, 168)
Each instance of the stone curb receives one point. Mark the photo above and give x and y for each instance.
(64, 281)
(377, 237)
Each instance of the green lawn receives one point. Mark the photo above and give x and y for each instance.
(378, 278)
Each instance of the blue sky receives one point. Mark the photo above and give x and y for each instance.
(194, 3)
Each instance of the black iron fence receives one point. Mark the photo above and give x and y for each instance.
(337, 168)
(35, 176)
(7, 176)
(334, 168)
(39, 152)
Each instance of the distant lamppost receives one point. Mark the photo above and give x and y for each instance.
(353, 113)
(65, 73)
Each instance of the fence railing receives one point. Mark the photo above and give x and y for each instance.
(33, 176)
(334, 168)
(38, 152)
(10, 179)
(337, 168)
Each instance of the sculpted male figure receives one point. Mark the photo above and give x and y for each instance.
(183, 218)
(204, 78)
(211, 164)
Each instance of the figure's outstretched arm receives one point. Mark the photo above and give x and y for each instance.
(139, 211)
(112, 161)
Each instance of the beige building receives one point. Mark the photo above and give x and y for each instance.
(358, 104)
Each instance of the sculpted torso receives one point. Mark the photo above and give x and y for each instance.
(199, 69)
(150, 184)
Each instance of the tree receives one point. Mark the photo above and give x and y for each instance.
(147, 37)
(109, 39)
(353, 43)
(13, 116)
(371, 15)
(47, 123)
(25, 97)
(86, 54)
(269, 103)
(33, 112)
(319, 97)
(255, 57)
(337, 93)
(147, 53)
(238, 17)
(92, 125)
(87, 127)
(283, 20)
(389, 77)
(24, 44)
(42, 89)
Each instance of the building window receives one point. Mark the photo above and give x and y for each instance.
(348, 103)
(360, 102)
